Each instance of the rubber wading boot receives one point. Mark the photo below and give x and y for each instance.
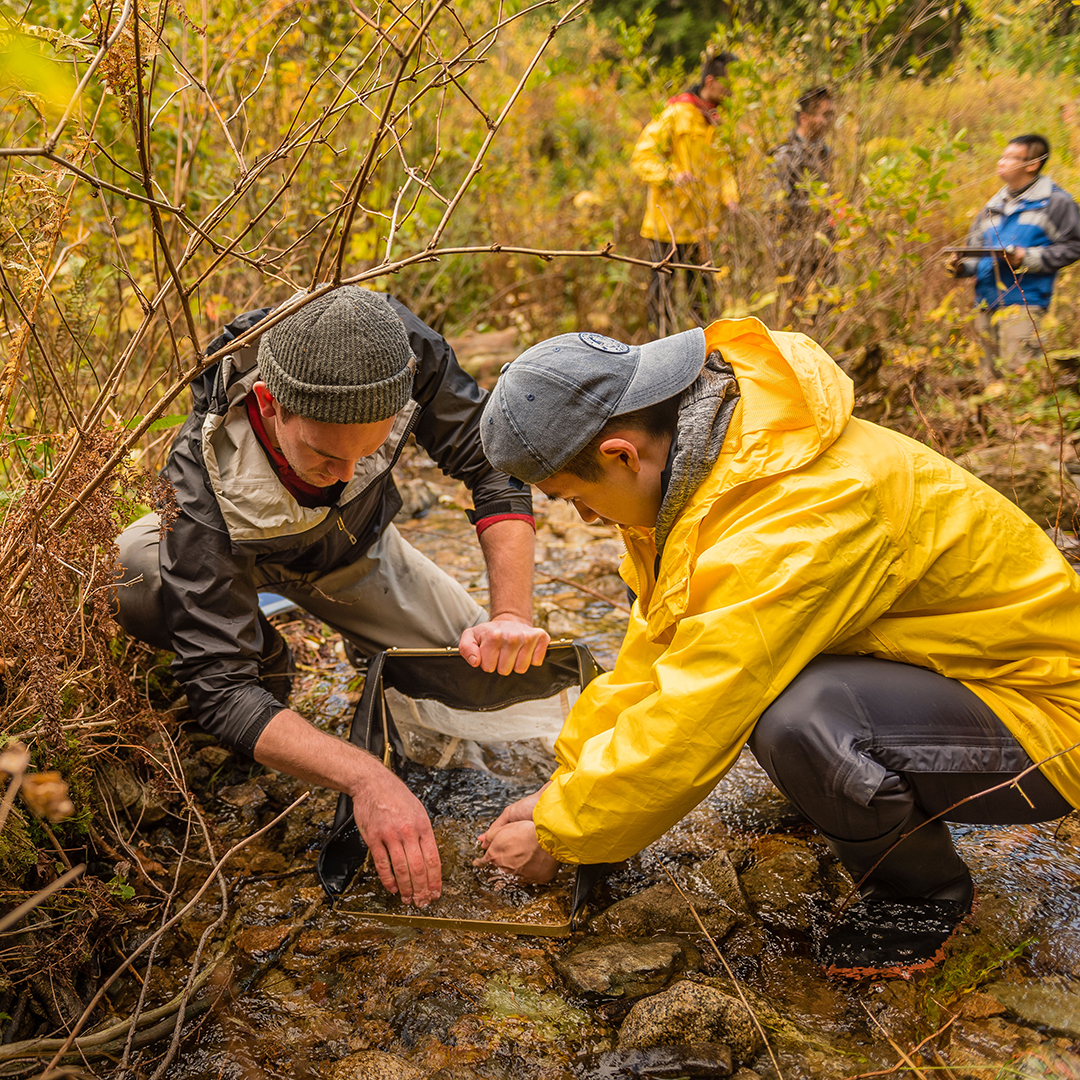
(276, 663)
(911, 903)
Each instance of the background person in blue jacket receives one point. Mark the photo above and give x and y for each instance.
(1038, 225)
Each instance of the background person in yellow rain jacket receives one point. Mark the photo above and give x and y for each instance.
(889, 634)
(677, 157)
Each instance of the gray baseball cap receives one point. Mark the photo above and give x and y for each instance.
(550, 402)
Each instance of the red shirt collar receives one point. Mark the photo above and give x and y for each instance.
(687, 98)
(292, 482)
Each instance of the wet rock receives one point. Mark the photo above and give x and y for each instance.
(374, 1065)
(1005, 917)
(562, 624)
(719, 875)
(429, 1018)
(984, 1046)
(214, 756)
(267, 862)
(258, 940)
(1052, 1003)
(196, 772)
(139, 799)
(1068, 829)
(1059, 951)
(627, 969)
(1046, 1063)
(333, 948)
(246, 796)
(782, 877)
(689, 1014)
(744, 943)
(657, 1061)
(978, 1006)
(551, 1017)
(663, 909)
(417, 498)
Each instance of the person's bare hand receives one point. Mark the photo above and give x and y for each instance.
(514, 847)
(506, 643)
(1015, 256)
(522, 810)
(397, 831)
(952, 264)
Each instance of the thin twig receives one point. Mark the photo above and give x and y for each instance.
(69, 1041)
(915, 1049)
(1014, 782)
(12, 917)
(585, 589)
(727, 968)
(54, 138)
(893, 1043)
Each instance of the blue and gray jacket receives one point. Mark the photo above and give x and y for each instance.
(1044, 220)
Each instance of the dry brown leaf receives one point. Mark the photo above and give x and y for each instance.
(46, 793)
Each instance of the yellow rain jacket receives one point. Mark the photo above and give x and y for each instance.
(813, 533)
(680, 140)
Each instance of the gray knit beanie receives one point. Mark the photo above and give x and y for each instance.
(342, 359)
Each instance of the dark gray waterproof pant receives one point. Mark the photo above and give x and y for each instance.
(870, 749)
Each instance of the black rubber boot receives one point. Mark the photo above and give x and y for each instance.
(924, 866)
(912, 902)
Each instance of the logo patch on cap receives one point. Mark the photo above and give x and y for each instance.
(603, 344)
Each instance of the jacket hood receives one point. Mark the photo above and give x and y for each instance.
(795, 402)
(1043, 188)
(688, 97)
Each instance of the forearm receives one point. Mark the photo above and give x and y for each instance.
(508, 548)
(291, 745)
(1052, 257)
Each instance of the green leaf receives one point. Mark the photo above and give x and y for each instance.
(23, 67)
(160, 424)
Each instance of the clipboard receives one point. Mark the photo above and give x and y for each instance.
(975, 252)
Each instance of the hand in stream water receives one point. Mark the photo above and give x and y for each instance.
(397, 831)
(510, 843)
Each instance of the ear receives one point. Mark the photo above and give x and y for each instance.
(622, 450)
(268, 406)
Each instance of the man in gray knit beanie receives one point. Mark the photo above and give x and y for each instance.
(341, 359)
(284, 485)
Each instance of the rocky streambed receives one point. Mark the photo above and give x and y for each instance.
(696, 959)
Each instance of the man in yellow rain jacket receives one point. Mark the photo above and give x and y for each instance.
(889, 634)
(676, 155)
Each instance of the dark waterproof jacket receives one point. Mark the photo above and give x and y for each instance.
(236, 515)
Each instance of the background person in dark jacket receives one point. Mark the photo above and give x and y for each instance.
(282, 475)
(804, 157)
(1039, 226)
(802, 160)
